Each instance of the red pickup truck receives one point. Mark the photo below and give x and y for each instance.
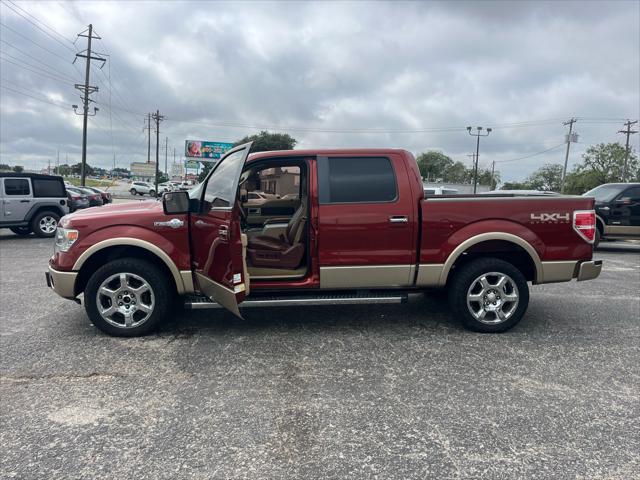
(330, 227)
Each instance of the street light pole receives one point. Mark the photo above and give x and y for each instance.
(478, 134)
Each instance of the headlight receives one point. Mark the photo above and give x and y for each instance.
(65, 237)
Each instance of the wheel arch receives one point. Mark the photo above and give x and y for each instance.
(44, 207)
(107, 250)
(522, 254)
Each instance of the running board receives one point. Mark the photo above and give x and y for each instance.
(201, 303)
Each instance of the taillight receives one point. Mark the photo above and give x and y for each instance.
(584, 222)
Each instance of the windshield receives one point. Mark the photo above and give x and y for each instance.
(604, 193)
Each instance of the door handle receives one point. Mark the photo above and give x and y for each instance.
(173, 223)
(25, 201)
(223, 232)
(398, 219)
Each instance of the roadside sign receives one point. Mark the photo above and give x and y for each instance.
(192, 164)
(207, 151)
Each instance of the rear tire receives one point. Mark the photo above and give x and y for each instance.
(489, 295)
(146, 290)
(22, 231)
(44, 224)
(596, 240)
(152, 193)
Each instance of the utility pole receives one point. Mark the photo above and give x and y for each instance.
(493, 169)
(158, 118)
(166, 152)
(86, 90)
(114, 164)
(478, 134)
(58, 163)
(566, 156)
(627, 132)
(149, 138)
(49, 167)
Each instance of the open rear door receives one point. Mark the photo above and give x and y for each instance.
(216, 236)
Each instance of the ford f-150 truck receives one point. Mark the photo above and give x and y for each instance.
(341, 227)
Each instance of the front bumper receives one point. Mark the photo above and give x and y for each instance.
(63, 283)
(589, 270)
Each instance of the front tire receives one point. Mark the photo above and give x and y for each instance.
(489, 295)
(128, 297)
(133, 191)
(44, 224)
(152, 193)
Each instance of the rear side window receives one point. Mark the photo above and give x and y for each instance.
(16, 186)
(633, 193)
(356, 180)
(48, 187)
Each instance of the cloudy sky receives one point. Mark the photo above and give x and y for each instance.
(331, 74)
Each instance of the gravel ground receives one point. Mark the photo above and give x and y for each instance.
(393, 392)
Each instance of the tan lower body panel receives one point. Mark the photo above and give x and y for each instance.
(429, 275)
(63, 283)
(622, 230)
(366, 276)
(558, 271)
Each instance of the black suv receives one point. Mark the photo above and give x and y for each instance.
(617, 211)
(31, 202)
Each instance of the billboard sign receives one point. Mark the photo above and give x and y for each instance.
(143, 169)
(192, 164)
(206, 150)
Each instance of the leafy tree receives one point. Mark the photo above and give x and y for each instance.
(547, 178)
(434, 165)
(607, 162)
(4, 167)
(77, 169)
(18, 169)
(262, 142)
(63, 169)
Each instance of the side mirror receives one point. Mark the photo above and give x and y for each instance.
(175, 202)
(623, 201)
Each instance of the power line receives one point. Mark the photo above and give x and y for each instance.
(55, 72)
(34, 42)
(36, 25)
(61, 80)
(531, 155)
(31, 56)
(66, 107)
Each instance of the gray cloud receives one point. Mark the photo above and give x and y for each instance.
(328, 66)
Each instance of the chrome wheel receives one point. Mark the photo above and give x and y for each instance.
(125, 300)
(492, 298)
(48, 224)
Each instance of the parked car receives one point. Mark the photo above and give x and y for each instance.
(166, 187)
(106, 196)
(353, 238)
(95, 199)
(617, 211)
(142, 188)
(77, 200)
(32, 202)
(522, 193)
(440, 191)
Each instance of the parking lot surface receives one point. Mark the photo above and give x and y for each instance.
(375, 391)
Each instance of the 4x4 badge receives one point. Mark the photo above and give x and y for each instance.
(550, 217)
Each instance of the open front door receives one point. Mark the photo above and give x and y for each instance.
(216, 236)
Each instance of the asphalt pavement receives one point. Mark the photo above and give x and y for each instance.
(378, 391)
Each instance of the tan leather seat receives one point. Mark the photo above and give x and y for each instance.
(288, 250)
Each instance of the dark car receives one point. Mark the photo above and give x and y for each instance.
(617, 211)
(31, 202)
(77, 199)
(95, 199)
(106, 196)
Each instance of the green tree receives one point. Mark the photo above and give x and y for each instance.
(77, 169)
(606, 161)
(18, 169)
(63, 170)
(262, 142)
(433, 165)
(4, 167)
(547, 178)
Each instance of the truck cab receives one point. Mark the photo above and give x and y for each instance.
(334, 226)
(617, 211)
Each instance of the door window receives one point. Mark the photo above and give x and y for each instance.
(356, 180)
(223, 183)
(17, 186)
(633, 193)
